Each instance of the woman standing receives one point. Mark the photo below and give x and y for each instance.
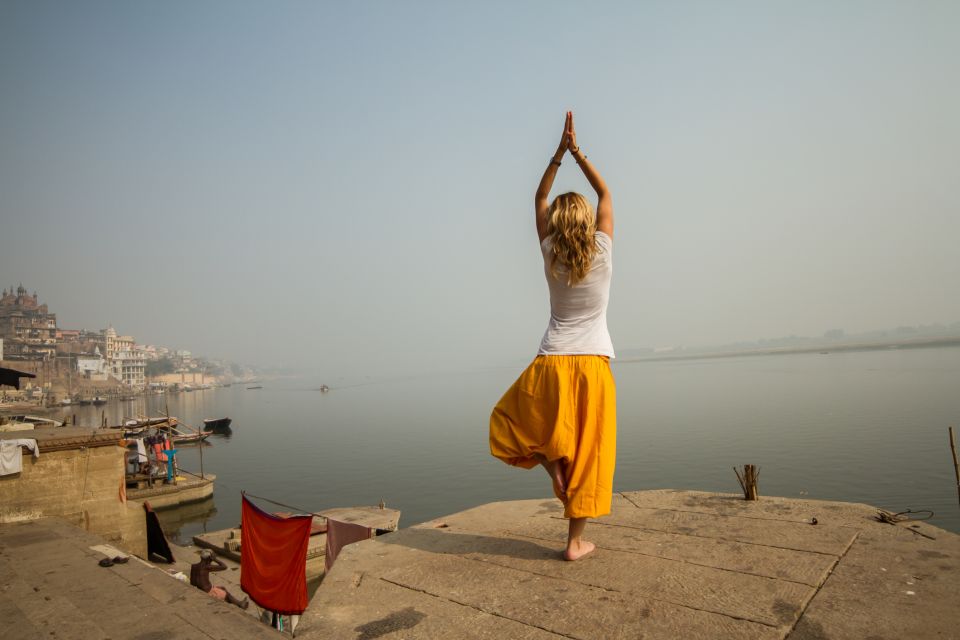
(561, 412)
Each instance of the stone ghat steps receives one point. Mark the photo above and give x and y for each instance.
(51, 586)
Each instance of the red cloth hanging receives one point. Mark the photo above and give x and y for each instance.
(273, 559)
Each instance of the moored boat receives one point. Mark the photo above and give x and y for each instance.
(187, 489)
(216, 424)
(181, 438)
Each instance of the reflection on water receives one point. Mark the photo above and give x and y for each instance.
(196, 515)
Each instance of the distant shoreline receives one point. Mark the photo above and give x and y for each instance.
(915, 343)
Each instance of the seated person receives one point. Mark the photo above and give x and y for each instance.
(200, 578)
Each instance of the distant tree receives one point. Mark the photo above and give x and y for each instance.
(160, 367)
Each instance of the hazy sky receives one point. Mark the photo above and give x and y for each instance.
(349, 186)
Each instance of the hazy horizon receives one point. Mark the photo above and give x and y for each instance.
(339, 187)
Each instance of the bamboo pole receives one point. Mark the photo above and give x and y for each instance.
(956, 469)
(200, 444)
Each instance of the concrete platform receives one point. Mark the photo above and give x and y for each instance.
(51, 586)
(669, 564)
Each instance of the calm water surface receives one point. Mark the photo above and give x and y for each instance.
(864, 427)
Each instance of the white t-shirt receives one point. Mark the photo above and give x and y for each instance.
(578, 314)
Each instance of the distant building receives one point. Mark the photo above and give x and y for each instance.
(149, 351)
(28, 327)
(124, 361)
(92, 367)
(68, 335)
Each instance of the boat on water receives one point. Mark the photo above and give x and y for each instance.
(324, 388)
(65, 402)
(182, 438)
(216, 424)
(131, 423)
(186, 489)
(99, 400)
(85, 401)
(256, 387)
(133, 427)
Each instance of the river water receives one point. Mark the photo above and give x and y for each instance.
(856, 426)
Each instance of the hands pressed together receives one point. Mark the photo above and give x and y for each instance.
(568, 141)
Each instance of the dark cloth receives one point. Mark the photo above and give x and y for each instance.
(273, 559)
(339, 535)
(11, 377)
(156, 541)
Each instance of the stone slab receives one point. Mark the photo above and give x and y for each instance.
(822, 538)
(729, 593)
(373, 608)
(668, 565)
(797, 566)
(887, 588)
(563, 607)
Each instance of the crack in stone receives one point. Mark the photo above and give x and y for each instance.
(694, 535)
(480, 609)
(805, 605)
(721, 515)
(693, 564)
(643, 595)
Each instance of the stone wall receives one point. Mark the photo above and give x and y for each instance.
(185, 377)
(80, 484)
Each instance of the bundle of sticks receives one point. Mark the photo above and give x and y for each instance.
(748, 480)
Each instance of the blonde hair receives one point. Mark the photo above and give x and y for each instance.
(571, 225)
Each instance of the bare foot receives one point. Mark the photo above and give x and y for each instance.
(575, 551)
(557, 472)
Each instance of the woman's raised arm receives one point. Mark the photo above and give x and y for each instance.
(542, 199)
(604, 202)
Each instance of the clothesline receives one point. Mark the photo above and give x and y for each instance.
(280, 504)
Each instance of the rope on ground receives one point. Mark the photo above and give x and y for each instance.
(906, 516)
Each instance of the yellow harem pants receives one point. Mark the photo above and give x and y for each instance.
(563, 407)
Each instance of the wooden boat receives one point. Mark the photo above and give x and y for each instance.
(136, 423)
(99, 400)
(26, 423)
(216, 424)
(181, 438)
(186, 490)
